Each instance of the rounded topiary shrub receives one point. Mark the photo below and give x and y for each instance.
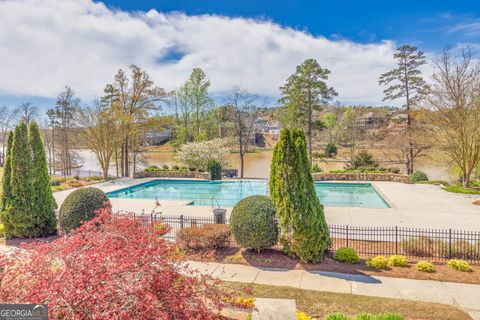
(253, 223)
(418, 176)
(346, 254)
(80, 206)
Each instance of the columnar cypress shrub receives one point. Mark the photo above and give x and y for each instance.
(20, 205)
(6, 194)
(43, 201)
(293, 193)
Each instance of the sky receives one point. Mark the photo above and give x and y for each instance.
(47, 44)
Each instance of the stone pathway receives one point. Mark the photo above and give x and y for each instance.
(464, 296)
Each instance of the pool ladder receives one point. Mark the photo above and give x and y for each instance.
(214, 198)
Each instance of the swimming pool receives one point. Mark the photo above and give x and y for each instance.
(228, 193)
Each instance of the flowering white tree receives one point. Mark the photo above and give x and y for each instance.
(199, 154)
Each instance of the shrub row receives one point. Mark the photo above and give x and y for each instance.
(349, 255)
(167, 168)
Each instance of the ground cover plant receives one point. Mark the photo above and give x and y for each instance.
(462, 189)
(109, 268)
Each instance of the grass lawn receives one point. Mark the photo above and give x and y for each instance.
(319, 304)
(462, 189)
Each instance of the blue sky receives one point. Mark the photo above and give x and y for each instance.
(251, 44)
(426, 23)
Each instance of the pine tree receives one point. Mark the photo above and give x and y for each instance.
(43, 201)
(20, 205)
(6, 185)
(293, 193)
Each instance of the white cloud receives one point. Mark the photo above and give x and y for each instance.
(47, 44)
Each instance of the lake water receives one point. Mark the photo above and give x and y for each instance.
(257, 165)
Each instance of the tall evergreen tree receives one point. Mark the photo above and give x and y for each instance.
(304, 93)
(19, 208)
(7, 172)
(293, 193)
(43, 201)
(406, 82)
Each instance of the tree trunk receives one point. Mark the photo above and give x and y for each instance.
(466, 173)
(127, 164)
(53, 151)
(310, 116)
(122, 165)
(116, 161)
(241, 165)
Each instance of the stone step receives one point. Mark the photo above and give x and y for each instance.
(274, 309)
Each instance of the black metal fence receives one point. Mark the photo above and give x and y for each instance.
(416, 243)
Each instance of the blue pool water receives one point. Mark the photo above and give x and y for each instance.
(228, 193)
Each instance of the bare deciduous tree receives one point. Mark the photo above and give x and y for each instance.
(100, 132)
(62, 117)
(8, 117)
(28, 112)
(454, 103)
(132, 101)
(245, 111)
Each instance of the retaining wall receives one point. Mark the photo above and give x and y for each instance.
(171, 174)
(354, 176)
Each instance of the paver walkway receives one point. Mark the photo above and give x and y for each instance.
(464, 296)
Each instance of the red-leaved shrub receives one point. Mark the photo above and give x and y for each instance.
(109, 268)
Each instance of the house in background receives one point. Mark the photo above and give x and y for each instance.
(157, 137)
(371, 120)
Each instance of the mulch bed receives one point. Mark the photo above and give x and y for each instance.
(277, 259)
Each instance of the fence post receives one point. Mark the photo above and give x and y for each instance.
(450, 243)
(396, 239)
(347, 235)
(181, 221)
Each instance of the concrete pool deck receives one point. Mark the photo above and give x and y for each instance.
(412, 205)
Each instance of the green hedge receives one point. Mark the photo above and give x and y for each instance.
(80, 206)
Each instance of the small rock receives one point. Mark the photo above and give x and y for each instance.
(476, 202)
